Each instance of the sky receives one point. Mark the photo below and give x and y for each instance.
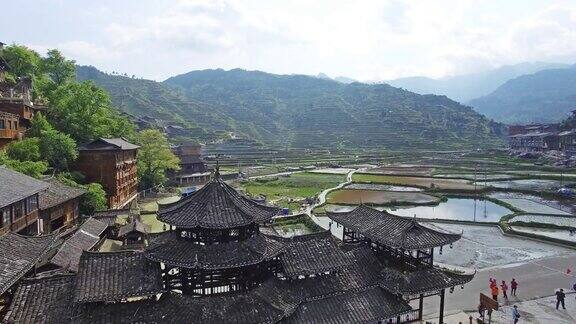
(365, 40)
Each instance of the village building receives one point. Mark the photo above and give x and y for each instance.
(9, 128)
(214, 265)
(59, 205)
(112, 163)
(19, 202)
(534, 142)
(134, 234)
(193, 169)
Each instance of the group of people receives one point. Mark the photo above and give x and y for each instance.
(504, 287)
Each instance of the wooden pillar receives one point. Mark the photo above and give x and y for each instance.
(421, 307)
(441, 317)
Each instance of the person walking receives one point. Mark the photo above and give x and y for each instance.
(513, 287)
(560, 295)
(515, 314)
(494, 289)
(504, 288)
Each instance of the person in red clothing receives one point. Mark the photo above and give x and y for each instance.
(504, 288)
(513, 286)
(494, 289)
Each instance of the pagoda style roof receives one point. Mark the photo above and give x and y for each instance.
(84, 239)
(135, 225)
(312, 254)
(20, 254)
(42, 300)
(392, 230)
(215, 206)
(114, 276)
(421, 281)
(167, 247)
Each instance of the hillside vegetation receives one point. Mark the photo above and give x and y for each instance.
(546, 96)
(302, 111)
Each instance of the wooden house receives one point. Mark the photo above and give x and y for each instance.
(112, 163)
(19, 202)
(193, 169)
(9, 128)
(59, 205)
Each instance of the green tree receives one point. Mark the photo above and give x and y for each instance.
(27, 149)
(154, 158)
(23, 61)
(93, 200)
(84, 111)
(39, 124)
(31, 168)
(58, 149)
(58, 68)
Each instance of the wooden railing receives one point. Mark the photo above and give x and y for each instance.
(9, 133)
(24, 221)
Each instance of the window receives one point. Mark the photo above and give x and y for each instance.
(31, 204)
(2, 124)
(5, 214)
(18, 209)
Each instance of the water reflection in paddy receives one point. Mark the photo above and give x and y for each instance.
(466, 209)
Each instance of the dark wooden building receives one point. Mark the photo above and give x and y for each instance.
(19, 202)
(9, 128)
(112, 163)
(134, 234)
(214, 247)
(59, 205)
(193, 169)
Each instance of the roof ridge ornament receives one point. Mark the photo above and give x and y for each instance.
(217, 169)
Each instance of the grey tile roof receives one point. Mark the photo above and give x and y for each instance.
(15, 186)
(19, 254)
(167, 247)
(312, 254)
(57, 193)
(216, 205)
(421, 281)
(392, 230)
(108, 144)
(135, 225)
(114, 276)
(42, 300)
(84, 239)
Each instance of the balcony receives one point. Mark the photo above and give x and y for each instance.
(9, 133)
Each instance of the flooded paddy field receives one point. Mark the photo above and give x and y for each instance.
(486, 246)
(472, 176)
(460, 209)
(375, 186)
(378, 197)
(426, 182)
(532, 204)
(332, 170)
(524, 184)
(561, 234)
(545, 219)
(402, 170)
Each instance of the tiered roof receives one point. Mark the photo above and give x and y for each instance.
(392, 230)
(167, 247)
(19, 254)
(215, 206)
(115, 276)
(421, 281)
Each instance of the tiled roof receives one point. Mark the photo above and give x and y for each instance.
(216, 205)
(135, 225)
(392, 230)
(421, 281)
(168, 248)
(114, 276)
(42, 300)
(57, 193)
(19, 254)
(15, 186)
(87, 235)
(312, 254)
(108, 144)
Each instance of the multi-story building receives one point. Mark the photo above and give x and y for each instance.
(112, 163)
(9, 128)
(192, 167)
(19, 202)
(59, 205)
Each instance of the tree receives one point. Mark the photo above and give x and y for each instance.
(27, 149)
(154, 158)
(39, 124)
(31, 168)
(58, 149)
(59, 69)
(84, 111)
(93, 200)
(23, 61)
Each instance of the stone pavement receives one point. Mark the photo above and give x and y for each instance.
(536, 279)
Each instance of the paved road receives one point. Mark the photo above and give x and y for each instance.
(538, 278)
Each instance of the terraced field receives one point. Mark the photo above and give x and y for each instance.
(378, 197)
(423, 182)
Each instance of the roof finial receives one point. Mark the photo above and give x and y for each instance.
(217, 171)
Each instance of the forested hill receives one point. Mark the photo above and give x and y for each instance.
(303, 111)
(546, 96)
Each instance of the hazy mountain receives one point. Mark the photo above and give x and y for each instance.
(545, 96)
(300, 111)
(341, 79)
(467, 87)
